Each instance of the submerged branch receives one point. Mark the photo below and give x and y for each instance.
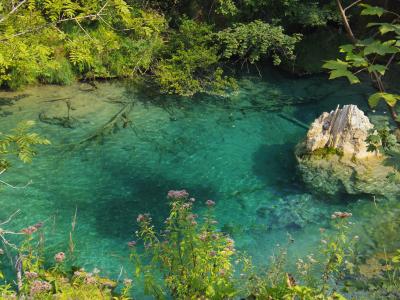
(110, 125)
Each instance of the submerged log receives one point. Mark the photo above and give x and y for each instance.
(120, 117)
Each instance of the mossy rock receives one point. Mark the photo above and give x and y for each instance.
(332, 174)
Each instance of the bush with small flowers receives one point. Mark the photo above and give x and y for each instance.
(195, 258)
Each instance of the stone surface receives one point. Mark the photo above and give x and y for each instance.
(344, 129)
(354, 170)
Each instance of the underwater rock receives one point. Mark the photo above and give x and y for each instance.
(333, 159)
(292, 212)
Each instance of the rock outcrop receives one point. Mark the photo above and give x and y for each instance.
(343, 129)
(333, 159)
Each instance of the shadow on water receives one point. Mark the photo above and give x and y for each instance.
(115, 215)
(273, 163)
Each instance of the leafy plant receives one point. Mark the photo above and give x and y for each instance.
(19, 143)
(249, 42)
(381, 139)
(192, 63)
(373, 55)
(194, 259)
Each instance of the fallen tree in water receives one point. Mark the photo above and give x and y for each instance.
(120, 118)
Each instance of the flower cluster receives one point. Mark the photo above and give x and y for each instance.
(40, 286)
(59, 257)
(341, 215)
(183, 194)
(132, 244)
(88, 278)
(32, 229)
(230, 244)
(127, 282)
(210, 203)
(31, 275)
(141, 218)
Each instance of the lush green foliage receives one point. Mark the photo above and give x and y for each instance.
(381, 139)
(191, 62)
(50, 41)
(36, 280)
(373, 55)
(195, 260)
(19, 143)
(248, 42)
(305, 13)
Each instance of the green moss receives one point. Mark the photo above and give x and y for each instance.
(327, 151)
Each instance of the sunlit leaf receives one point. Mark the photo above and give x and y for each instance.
(380, 48)
(372, 10)
(347, 48)
(390, 99)
(335, 65)
(344, 73)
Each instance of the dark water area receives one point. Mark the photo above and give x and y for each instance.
(237, 151)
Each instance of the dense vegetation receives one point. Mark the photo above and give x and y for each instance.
(182, 46)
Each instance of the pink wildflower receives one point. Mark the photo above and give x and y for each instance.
(140, 218)
(127, 282)
(132, 244)
(31, 275)
(39, 286)
(177, 194)
(210, 203)
(59, 257)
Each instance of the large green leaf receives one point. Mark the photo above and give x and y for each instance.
(335, 65)
(377, 68)
(390, 99)
(356, 60)
(344, 73)
(380, 48)
(346, 48)
(386, 27)
(370, 10)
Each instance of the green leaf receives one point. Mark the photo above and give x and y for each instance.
(372, 10)
(356, 60)
(377, 68)
(347, 48)
(390, 99)
(335, 65)
(380, 48)
(344, 73)
(386, 27)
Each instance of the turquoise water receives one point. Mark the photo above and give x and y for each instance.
(237, 151)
